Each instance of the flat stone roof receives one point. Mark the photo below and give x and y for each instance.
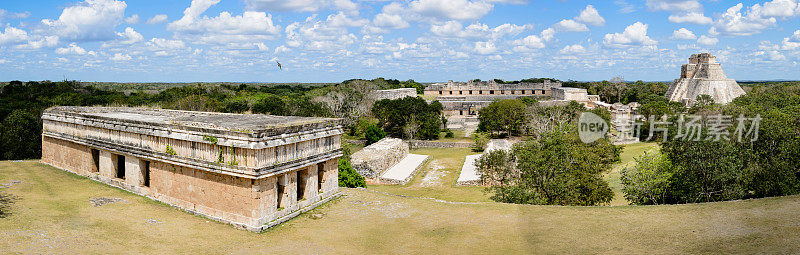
(205, 121)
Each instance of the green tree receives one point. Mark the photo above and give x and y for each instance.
(506, 115)
(409, 117)
(498, 169)
(270, 104)
(648, 181)
(374, 134)
(21, 135)
(348, 177)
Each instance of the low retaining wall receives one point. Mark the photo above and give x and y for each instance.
(432, 144)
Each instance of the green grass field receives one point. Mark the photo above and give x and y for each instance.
(629, 152)
(54, 215)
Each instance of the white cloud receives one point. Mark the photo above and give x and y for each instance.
(573, 49)
(530, 42)
(314, 34)
(13, 35)
(301, 5)
(44, 42)
(690, 17)
(755, 19)
(391, 17)
(591, 16)
(159, 18)
(73, 49)
(792, 42)
(342, 20)
(130, 36)
(625, 7)
(451, 9)
(547, 34)
(92, 20)
(476, 30)
(683, 34)
(132, 19)
(634, 35)
(485, 48)
(121, 57)
(13, 15)
(225, 28)
(158, 44)
(771, 55)
(569, 25)
(708, 41)
(673, 5)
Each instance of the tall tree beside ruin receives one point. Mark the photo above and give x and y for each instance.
(506, 115)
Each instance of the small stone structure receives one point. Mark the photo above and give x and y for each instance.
(392, 94)
(378, 157)
(469, 175)
(703, 76)
(250, 170)
(570, 94)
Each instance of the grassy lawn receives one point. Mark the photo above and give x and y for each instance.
(629, 152)
(54, 215)
(437, 178)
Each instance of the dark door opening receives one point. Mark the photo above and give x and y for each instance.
(281, 191)
(302, 180)
(121, 167)
(320, 176)
(95, 160)
(146, 173)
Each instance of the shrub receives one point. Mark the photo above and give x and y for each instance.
(348, 177)
(374, 134)
(481, 140)
(21, 135)
(448, 133)
(649, 180)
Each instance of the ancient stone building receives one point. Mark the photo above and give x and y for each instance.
(703, 76)
(462, 100)
(393, 94)
(253, 171)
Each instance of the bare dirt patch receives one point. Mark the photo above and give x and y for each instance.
(100, 201)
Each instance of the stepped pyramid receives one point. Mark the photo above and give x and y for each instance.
(703, 76)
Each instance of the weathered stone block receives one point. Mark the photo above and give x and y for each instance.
(375, 159)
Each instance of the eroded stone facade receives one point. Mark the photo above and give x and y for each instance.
(252, 171)
(703, 76)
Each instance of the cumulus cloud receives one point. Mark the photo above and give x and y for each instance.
(770, 55)
(301, 5)
(132, 19)
(343, 20)
(73, 49)
(314, 34)
(391, 17)
(683, 34)
(690, 17)
(160, 44)
(121, 57)
(634, 35)
(792, 42)
(226, 27)
(13, 35)
(547, 34)
(43, 42)
(476, 30)
(708, 41)
(529, 42)
(673, 5)
(591, 16)
(451, 9)
(13, 15)
(92, 20)
(569, 25)
(485, 48)
(573, 49)
(755, 19)
(159, 18)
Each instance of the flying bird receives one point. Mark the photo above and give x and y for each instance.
(279, 65)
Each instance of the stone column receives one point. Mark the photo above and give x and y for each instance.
(289, 183)
(133, 171)
(108, 164)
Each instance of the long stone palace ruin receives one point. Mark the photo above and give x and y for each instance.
(703, 76)
(249, 170)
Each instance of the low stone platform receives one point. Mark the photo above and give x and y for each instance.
(401, 173)
(372, 161)
(469, 173)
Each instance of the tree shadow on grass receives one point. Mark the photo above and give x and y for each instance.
(5, 204)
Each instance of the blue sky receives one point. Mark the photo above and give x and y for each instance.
(425, 40)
